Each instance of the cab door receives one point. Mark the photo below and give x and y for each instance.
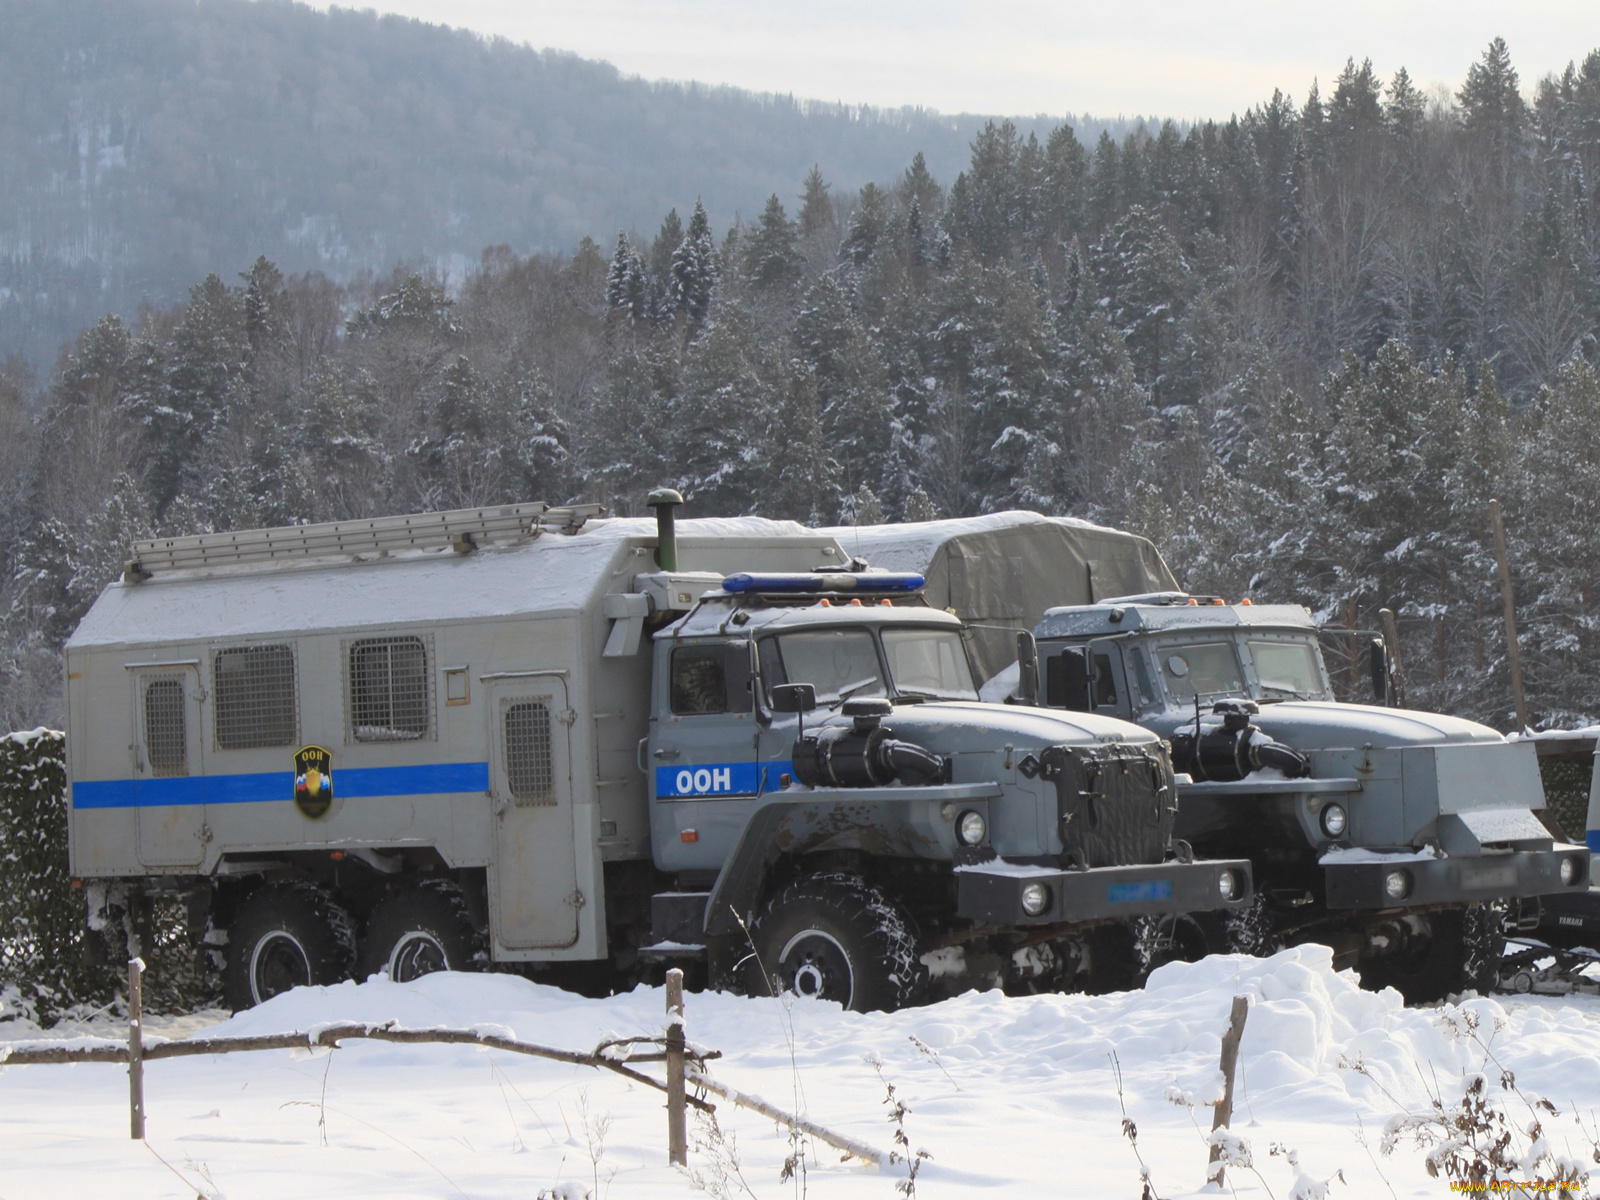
(702, 749)
(1108, 682)
(533, 878)
(169, 774)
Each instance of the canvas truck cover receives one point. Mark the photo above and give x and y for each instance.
(1001, 572)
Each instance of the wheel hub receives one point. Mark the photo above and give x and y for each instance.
(814, 964)
(416, 954)
(279, 962)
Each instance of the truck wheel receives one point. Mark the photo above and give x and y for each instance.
(836, 937)
(286, 935)
(1432, 969)
(419, 931)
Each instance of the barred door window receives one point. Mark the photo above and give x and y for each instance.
(255, 697)
(166, 736)
(388, 689)
(530, 770)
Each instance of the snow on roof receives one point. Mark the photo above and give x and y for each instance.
(911, 546)
(551, 574)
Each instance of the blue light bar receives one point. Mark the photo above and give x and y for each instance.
(839, 581)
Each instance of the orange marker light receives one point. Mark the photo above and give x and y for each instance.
(689, 835)
(857, 603)
(336, 855)
(1219, 600)
(825, 603)
(1246, 600)
(885, 604)
(1193, 601)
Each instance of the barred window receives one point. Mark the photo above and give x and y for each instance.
(530, 772)
(255, 697)
(166, 741)
(388, 689)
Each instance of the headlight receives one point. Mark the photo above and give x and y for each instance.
(1228, 885)
(1333, 820)
(1035, 896)
(1397, 884)
(971, 828)
(1571, 868)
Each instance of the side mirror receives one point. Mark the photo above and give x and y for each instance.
(1027, 669)
(1378, 668)
(1067, 680)
(794, 697)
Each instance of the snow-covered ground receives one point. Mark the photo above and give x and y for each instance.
(1010, 1096)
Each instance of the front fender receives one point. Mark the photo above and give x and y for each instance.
(901, 822)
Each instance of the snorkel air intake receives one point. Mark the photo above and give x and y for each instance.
(1227, 751)
(862, 754)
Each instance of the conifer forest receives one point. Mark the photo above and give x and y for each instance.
(1301, 349)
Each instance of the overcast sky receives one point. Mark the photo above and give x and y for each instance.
(1173, 58)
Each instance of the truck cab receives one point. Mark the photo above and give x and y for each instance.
(891, 790)
(1400, 837)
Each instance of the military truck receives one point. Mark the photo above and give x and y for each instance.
(1401, 838)
(534, 738)
(1398, 837)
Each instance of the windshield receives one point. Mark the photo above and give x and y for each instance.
(928, 662)
(839, 663)
(1289, 669)
(1200, 668)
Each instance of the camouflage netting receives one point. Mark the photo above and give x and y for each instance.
(45, 970)
(1566, 793)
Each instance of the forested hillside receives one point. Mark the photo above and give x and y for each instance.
(144, 143)
(1302, 349)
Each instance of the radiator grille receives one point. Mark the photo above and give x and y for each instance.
(530, 773)
(166, 741)
(255, 697)
(388, 689)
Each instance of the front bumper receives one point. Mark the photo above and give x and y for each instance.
(992, 892)
(1454, 880)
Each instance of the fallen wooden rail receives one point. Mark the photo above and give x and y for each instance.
(330, 1036)
(756, 1104)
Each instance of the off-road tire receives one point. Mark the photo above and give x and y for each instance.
(1462, 951)
(837, 937)
(286, 935)
(423, 929)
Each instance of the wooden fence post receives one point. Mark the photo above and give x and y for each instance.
(1230, 1061)
(136, 1048)
(677, 1127)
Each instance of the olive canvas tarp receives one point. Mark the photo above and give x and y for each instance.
(1001, 572)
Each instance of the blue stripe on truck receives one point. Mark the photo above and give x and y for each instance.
(1593, 838)
(429, 779)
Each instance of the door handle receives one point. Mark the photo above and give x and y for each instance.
(666, 754)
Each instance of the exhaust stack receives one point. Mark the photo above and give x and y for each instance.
(665, 501)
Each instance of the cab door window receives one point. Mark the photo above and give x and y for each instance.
(710, 679)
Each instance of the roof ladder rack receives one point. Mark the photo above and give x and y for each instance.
(462, 530)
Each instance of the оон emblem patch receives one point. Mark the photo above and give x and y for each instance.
(313, 781)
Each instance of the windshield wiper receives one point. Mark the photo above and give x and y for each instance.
(850, 689)
(1291, 692)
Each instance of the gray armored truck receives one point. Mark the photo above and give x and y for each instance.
(534, 738)
(1396, 836)
(1400, 838)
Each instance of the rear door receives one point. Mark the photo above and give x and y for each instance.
(533, 880)
(169, 776)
